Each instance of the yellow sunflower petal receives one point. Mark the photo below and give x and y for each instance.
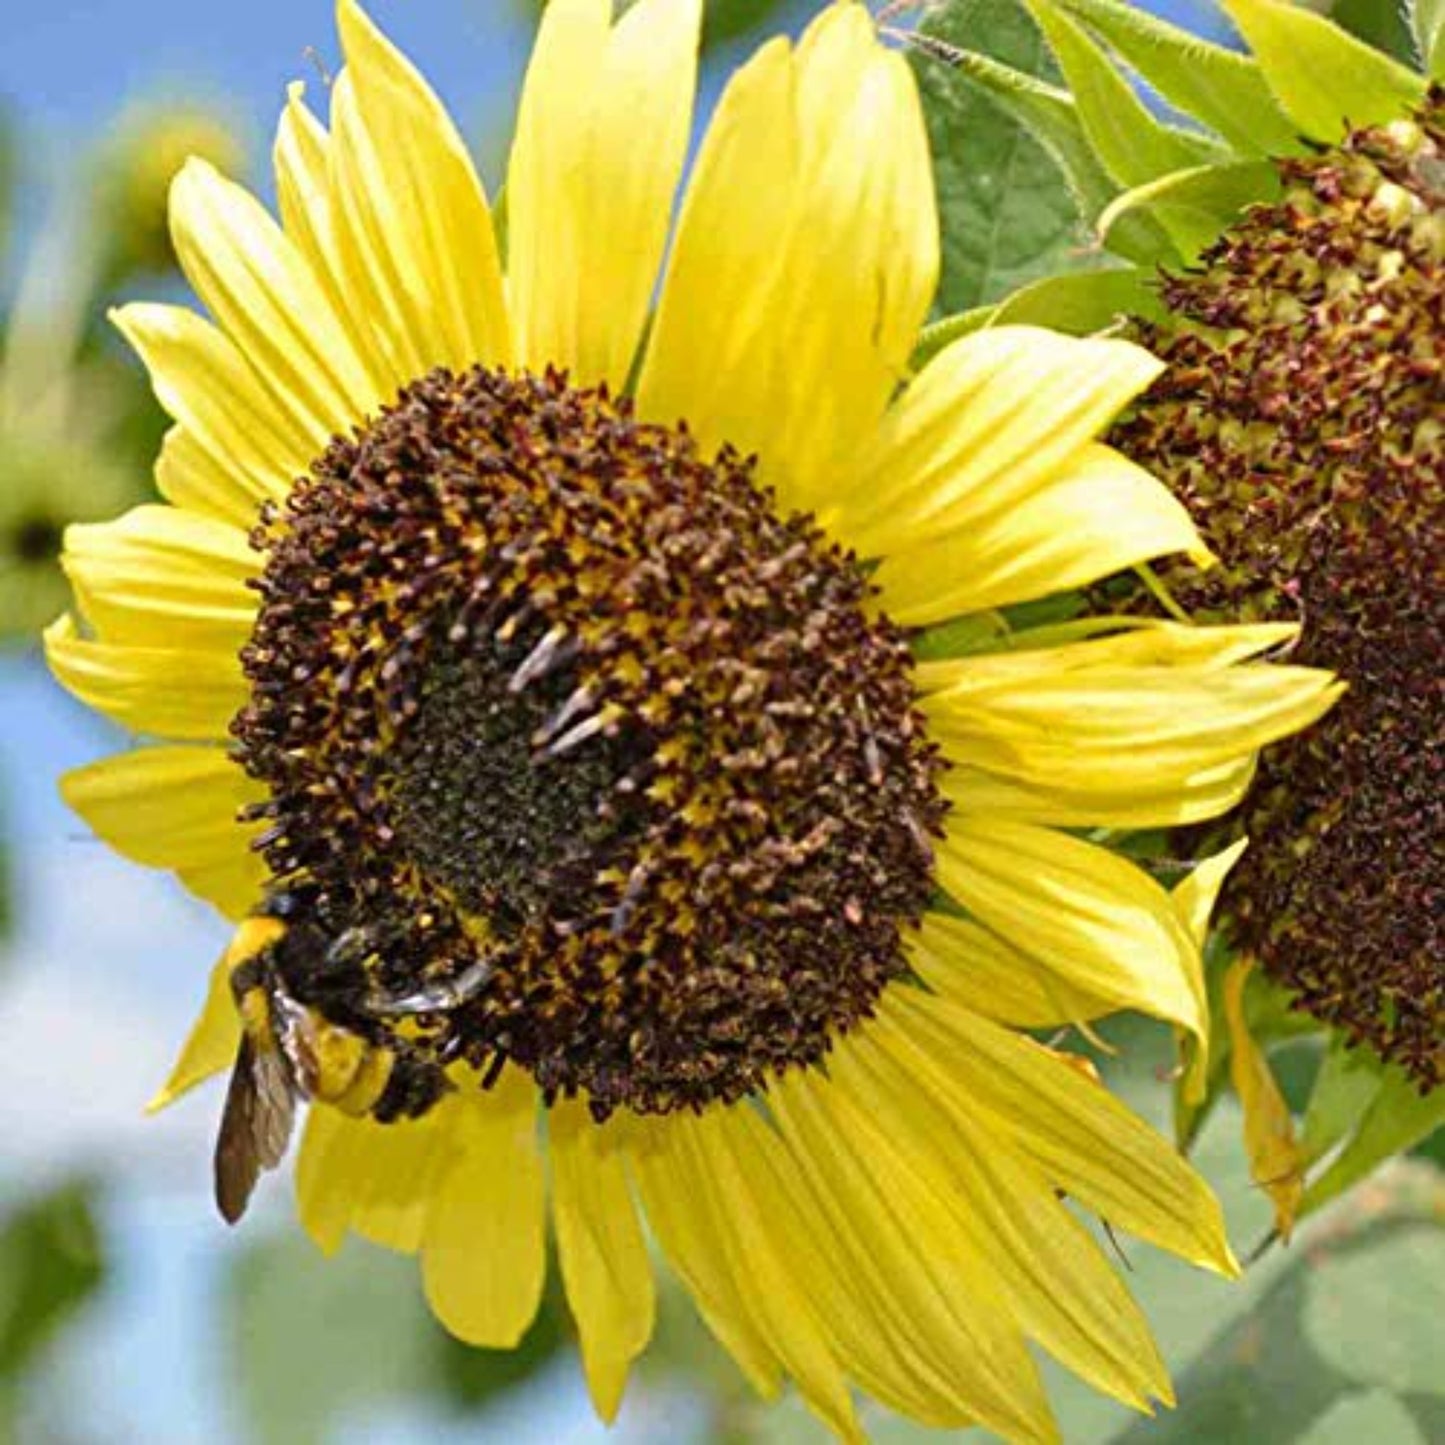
(866, 1315)
(303, 166)
(301, 158)
(1193, 900)
(992, 419)
(679, 1206)
(211, 1044)
(164, 691)
(965, 962)
(841, 335)
(762, 339)
(176, 807)
(866, 1188)
(727, 246)
(414, 234)
(191, 475)
(233, 885)
(1017, 792)
(1143, 642)
(1083, 1139)
(1195, 897)
(483, 1245)
(1099, 515)
(163, 576)
(1096, 920)
(165, 806)
(602, 1251)
(768, 1279)
(373, 1179)
(263, 292)
(1119, 745)
(1053, 1277)
(588, 207)
(203, 381)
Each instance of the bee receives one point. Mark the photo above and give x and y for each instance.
(314, 1028)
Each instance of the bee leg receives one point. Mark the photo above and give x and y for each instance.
(438, 997)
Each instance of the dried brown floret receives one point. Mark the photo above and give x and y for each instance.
(1302, 420)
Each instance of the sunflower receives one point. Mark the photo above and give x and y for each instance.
(566, 650)
(46, 483)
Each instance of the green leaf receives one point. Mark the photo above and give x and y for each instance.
(1255, 1376)
(1219, 87)
(1427, 21)
(1134, 147)
(1374, 1312)
(1398, 1118)
(1349, 1078)
(1384, 24)
(1326, 80)
(1016, 179)
(1373, 1415)
(1194, 206)
(938, 334)
(51, 1262)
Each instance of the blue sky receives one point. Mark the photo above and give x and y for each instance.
(69, 65)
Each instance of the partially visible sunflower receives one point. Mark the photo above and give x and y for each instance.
(59, 424)
(133, 169)
(1286, 257)
(45, 485)
(558, 669)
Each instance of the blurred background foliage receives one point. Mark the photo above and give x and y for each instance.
(127, 1313)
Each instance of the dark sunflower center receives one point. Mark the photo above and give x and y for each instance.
(539, 687)
(511, 833)
(35, 540)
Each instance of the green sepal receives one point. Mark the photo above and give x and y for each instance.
(1397, 1118)
(1327, 81)
(943, 332)
(1134, 147)
(1078, 303)
(1221, 88)
(1348, 1080)
(960, 636)
(1194, 206)
(1083, 303)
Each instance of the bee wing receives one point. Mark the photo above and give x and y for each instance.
(255, 1126)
